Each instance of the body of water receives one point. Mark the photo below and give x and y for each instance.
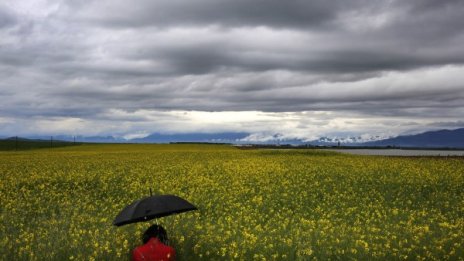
(400, 152)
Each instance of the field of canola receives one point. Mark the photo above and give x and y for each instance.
(58, 204)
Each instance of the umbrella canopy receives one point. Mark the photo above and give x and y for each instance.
(152, 207)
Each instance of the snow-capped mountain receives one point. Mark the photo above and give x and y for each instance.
(353, 140)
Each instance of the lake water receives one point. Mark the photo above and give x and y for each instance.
(399, 152)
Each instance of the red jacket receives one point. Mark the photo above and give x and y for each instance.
(154, 250)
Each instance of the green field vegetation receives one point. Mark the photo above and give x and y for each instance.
(254, 204)
(27, 144)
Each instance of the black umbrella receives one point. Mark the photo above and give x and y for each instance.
(152, 207)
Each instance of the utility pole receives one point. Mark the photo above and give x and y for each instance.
(51, 141)
(16, 143)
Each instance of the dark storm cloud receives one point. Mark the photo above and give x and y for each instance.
(356, 55)
(376, 58)
(299, 14)
(415, 18)
(412, 34)
(295, 13)
(7, 18)
(352, 36)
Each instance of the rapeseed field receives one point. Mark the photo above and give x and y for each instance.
(58, 204)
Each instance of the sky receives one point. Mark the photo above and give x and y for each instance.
(301, 68)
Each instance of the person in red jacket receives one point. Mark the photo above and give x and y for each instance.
(155, 246)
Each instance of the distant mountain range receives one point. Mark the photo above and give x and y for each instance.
(345, 141)
(79, 138)
(223, 137)
(430, 139)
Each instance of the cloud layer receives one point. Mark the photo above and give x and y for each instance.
(117, 67)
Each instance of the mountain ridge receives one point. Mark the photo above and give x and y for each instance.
(429, 139)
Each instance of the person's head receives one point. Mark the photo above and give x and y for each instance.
(155, 231)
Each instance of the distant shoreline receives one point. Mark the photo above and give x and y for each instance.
(402, 152)
(289, 146)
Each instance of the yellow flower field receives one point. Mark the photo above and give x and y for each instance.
(58, 204)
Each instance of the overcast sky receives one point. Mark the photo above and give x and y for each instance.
(301, 68)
